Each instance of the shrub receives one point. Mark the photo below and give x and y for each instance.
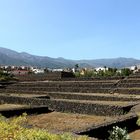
(118, 134)
(4, 76)
(16, 129)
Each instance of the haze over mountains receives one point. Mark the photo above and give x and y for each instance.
(10, 57)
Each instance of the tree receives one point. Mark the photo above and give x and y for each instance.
(126, 72)
(76, 66)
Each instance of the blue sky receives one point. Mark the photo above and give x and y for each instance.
(73, 29)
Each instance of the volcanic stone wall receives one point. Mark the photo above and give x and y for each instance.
(62, 86)
(129, 85)
(97, 97)
(69, 106)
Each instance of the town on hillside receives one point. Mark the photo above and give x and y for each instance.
(78, 71)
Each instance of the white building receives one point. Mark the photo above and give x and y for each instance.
(54, 70)
(36, 71)
(101, 68)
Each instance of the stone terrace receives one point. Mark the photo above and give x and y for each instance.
(99, 97)
(129, 86)
(95, 96)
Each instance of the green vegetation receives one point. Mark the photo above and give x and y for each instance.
(108, 72)
(16, 129)
(126, 72)
(118, 134)
(4, 76)
(138, 121)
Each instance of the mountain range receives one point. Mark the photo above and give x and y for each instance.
(11, 57)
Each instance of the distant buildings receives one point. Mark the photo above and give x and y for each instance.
(19, 72)
(24, 70)
(101, 68)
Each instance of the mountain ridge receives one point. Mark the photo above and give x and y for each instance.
(11, 57)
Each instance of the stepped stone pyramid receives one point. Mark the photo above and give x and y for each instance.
(94, 96)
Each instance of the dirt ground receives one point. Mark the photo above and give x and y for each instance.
(11, 106)
(135, 135)
(56, 122)
(66, 122)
